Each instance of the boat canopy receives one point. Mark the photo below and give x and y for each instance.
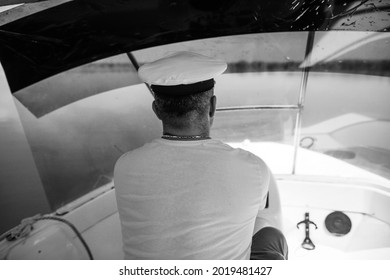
(44, 38)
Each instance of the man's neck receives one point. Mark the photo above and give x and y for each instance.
(186, 132)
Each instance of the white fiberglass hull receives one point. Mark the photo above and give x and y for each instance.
(97, 219)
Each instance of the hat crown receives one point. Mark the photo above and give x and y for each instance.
(181, 68)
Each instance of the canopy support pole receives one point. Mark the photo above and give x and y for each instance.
(136, 66)
(302, 96)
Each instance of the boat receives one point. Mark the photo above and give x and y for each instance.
(306, 89)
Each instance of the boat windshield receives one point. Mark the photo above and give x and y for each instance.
(308, 103)
(321, 92)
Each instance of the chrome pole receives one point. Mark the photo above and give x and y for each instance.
(302, 96)
(136, 66)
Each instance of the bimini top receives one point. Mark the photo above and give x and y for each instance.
(39, 40)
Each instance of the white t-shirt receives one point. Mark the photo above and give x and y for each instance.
(189, 200)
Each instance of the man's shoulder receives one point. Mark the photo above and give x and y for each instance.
(256, 159)
(243, 154)
(135, 153)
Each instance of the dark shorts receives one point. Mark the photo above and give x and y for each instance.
(269, 244)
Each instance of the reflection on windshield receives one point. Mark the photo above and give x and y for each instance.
(356, 132)
(75, 148)
(359, 52)
(78, 83)
(346, 116)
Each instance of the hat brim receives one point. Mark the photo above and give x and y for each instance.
(182, 90)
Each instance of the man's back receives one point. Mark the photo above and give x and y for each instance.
(189, 200)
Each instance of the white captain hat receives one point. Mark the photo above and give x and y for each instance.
(182, 73)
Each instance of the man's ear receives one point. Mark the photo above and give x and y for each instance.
(213, 106)
(155, 110)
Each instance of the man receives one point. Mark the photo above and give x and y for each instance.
(187, 196)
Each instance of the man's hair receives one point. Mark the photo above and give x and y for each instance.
(180, 111)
